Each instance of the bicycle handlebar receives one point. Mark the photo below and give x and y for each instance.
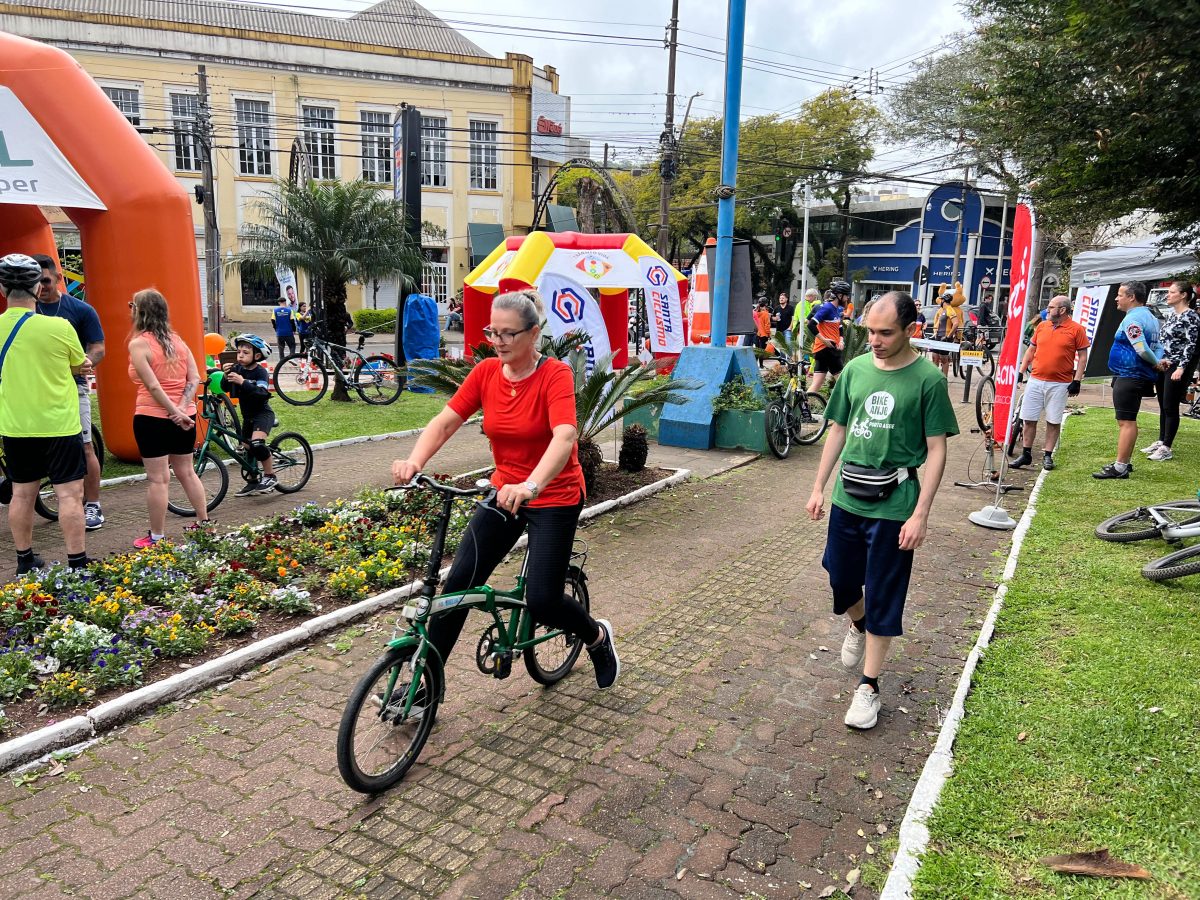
(423, 480)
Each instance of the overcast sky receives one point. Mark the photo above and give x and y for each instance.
(613, 64)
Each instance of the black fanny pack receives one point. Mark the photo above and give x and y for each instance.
(873, 485)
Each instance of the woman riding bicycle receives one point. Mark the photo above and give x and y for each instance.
(528, 403)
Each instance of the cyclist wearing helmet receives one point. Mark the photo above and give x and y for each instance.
(825, 322)
(250, 382)
(39, 412)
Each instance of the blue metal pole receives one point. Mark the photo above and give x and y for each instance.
(734, 42)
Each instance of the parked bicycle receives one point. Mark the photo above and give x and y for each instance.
(1174, 522)
(46, 503)
(290, 454)
(985, 401)
(390, 712)
(796, 414)
(303, 378)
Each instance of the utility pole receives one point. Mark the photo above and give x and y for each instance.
(962, 215)
(804, 251)
(605, 166)
(735, 41)
(212, 234)
(667, 142)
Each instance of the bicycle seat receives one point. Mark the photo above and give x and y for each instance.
(366, 334)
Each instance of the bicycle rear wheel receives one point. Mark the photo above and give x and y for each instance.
(551, 660)
(808, 419)
(985, 401)
(1139, 525)
(292, 458)
(376, 743)
(1179, 564)
(378, 380)
(779, 433)
(300, 380)
(213, 477)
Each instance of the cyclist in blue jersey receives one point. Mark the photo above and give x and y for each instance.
(1135, 361)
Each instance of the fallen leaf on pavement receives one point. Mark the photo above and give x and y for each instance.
(881, 828)
(1095, 862)
(827, 892)
(57, 769)
(852, 877)
(679, 874)
(870, 850)
(823, 649)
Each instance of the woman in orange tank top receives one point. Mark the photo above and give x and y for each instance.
(164, 370)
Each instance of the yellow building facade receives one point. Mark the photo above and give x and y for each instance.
(287, 87)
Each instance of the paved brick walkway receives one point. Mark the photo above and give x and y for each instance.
(717, 767)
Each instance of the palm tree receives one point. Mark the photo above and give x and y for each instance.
(335, 231)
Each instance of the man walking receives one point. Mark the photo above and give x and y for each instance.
(1134, 363)
(283, 318)
(1057, 355)
(781, 318)
(889, 413)
(39, 412)
(52, 302)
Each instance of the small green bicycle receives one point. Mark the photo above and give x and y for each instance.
(290, 453)
(391, 710)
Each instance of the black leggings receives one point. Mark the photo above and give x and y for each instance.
(1170, 395)
(489, 536)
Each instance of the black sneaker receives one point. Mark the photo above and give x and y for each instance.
(1048, 462)
(604, 657)
(267, 484)
(1111, 471)
(249, 489)
(24, 567)
(1020, 462)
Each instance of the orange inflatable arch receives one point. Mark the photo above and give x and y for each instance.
(138, 233)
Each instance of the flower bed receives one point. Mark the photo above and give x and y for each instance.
(68, 638)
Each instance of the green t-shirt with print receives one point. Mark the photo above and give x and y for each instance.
(888, 414)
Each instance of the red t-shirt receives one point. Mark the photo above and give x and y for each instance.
(519, 419)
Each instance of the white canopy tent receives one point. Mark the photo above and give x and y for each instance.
(1145, 260)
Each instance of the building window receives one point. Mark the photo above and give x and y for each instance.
(128, 101)
(254, 136)
(318, 141)
(435, 276)
(185, 108)
(484, 169)
(433, 152)
(376, 128)
(259, 288)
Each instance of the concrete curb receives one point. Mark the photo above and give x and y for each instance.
(914, 834)
(79, 729)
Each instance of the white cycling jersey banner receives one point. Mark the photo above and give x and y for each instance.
(571, 307)
(1089, 303)
(33, 171)
(664, 312)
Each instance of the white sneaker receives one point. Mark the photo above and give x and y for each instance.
(1152, 448)
(1163, 452)
(853, 647)
(864, 708)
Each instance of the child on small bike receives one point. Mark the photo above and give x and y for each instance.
(250, 382)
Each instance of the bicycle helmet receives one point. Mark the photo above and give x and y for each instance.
(254, 341)
(840, 286)
(19, 272)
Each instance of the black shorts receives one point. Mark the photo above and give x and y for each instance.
(33, 458)
(828, 360)
(1127, 396)
(261, 421)
(158, 437)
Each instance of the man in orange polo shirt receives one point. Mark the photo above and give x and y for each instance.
(1057, 354)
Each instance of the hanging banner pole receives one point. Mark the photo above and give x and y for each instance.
(734, 41)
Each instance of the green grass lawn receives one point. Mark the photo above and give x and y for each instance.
(1084, 649)
(329, 421)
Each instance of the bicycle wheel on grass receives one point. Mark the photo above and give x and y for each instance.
(299, 380)
(808, 425)
(378, 380)
(551, 660)
(1179, 564)
(292, 458)
(985, 401)
(46, 502)
(1139, 525)
(376, 742)
(779, 433)
(213, 477)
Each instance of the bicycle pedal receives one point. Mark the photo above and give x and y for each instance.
(503, 667)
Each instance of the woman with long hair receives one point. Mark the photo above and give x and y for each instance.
(1180, 337)
(164, 425)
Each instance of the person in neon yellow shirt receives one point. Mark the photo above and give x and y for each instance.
(39, 412)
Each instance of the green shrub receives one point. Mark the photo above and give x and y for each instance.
(736, 394)
(381, 321)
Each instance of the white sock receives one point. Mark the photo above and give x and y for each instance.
(1120, 466)
(156, 537)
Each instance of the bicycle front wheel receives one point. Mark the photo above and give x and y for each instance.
(1139, 525)
(299, 380)
(213, 478)
(377, 742)
(1179, 564)
(808, 419)
(292, 458)
(989, 365)
(985, 401)
(779, 432)
(551, 660)
(378, 380)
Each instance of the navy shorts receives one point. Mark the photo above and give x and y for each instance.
(864, 559)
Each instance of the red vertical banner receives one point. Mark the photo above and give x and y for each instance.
(1024, 233)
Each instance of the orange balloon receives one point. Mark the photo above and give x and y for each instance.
(214, 344)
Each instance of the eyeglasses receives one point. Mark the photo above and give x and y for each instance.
(503, 338)
(132, 305)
